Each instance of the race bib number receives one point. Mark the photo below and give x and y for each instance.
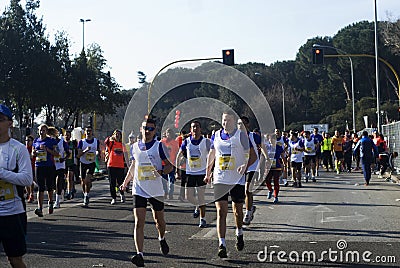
(6, 191)
(273, 163)
(226, 162)
(195, 162)
(41, 156)
(90, 156)
(57, 159)
(146, 172)
(309, 149)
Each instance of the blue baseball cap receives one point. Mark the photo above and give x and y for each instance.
(4, 110)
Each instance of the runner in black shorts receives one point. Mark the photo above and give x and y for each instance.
(195, 148)
(231, 154)
(87, 169)
(157, 204)
(70, 163)
(318, 152)
(88, 150)
(146, 171)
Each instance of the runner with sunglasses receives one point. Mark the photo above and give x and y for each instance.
(146, 171)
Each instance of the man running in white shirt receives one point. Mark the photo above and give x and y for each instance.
(146, 171)
(229, 147)
(196, 148)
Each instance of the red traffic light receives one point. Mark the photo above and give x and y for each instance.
(317, 56)
(228, 57)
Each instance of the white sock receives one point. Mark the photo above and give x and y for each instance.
(141, 253)
(57, 198)
(222, 242)
(161, 238)
(239, 231)
(85, 194)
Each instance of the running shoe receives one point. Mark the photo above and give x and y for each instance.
(276, 200)
(294, 184)
(137, 260)
(57, 205)
(313, 179)
(86, 200)
(122, 198)
(286, 184)
(164, 248)
(39, 212)
(239, 242)
(203, 223)
(247, 220)
(300, 185)
(222, 252)
(196, 213)
(51, 207)
(113, 201)
(269, 196)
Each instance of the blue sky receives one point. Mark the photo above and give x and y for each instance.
(148, 34)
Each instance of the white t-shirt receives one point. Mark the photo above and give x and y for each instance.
(229, 155)
(145, 182)
(13, 154)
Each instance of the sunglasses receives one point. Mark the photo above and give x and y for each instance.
(149, 128)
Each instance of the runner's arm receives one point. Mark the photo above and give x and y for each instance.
(210, 164)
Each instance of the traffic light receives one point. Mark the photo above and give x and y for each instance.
(228, 57)
(177, 116)
(317, 56)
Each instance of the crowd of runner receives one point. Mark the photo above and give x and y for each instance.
(232, 159)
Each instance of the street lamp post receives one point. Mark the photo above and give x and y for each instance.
(83, 31)
(352, 80)
(377, 66)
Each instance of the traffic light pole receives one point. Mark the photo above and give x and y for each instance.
(352, 79)
(163, 68)
(373, 57)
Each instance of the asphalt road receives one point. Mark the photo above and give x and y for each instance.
(335, 222)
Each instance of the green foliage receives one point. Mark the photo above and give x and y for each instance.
(37, 76)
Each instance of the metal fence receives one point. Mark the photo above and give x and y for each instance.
(392, 134)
